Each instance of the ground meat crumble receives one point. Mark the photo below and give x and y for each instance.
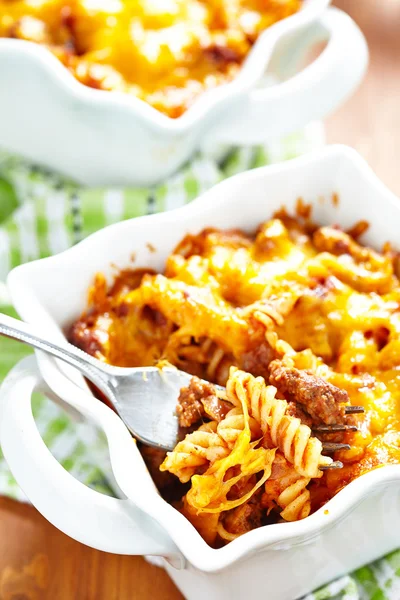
(323, 401)
(198, 401)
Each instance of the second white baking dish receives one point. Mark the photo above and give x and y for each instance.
(108, 138)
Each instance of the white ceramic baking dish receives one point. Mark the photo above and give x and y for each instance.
(285, 560)
(108, 138)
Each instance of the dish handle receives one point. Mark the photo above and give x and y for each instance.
(109, 524)
(307, 96)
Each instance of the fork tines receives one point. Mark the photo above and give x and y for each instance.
(349, 410)
(336, 464)
(333, 447)
(352, 410)
(334, 428)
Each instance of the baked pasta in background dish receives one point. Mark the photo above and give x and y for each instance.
(166, 52)
(296, 321)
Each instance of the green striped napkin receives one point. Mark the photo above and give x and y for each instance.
(42, 213)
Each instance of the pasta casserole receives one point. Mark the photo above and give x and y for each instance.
(297, 322)
(166, 52)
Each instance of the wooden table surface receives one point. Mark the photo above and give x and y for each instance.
(37, 562)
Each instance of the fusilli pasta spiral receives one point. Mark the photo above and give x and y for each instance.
(197, 450)
(230, 428)
(287, 489)
(210, 491)
(285, 432)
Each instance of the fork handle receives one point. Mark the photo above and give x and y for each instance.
(90, 367)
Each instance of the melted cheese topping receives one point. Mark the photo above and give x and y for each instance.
(166, 52)
(334, 304)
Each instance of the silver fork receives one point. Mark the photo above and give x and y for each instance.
(144, 397)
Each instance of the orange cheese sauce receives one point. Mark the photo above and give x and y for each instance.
(166, 52)
(334, 304)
